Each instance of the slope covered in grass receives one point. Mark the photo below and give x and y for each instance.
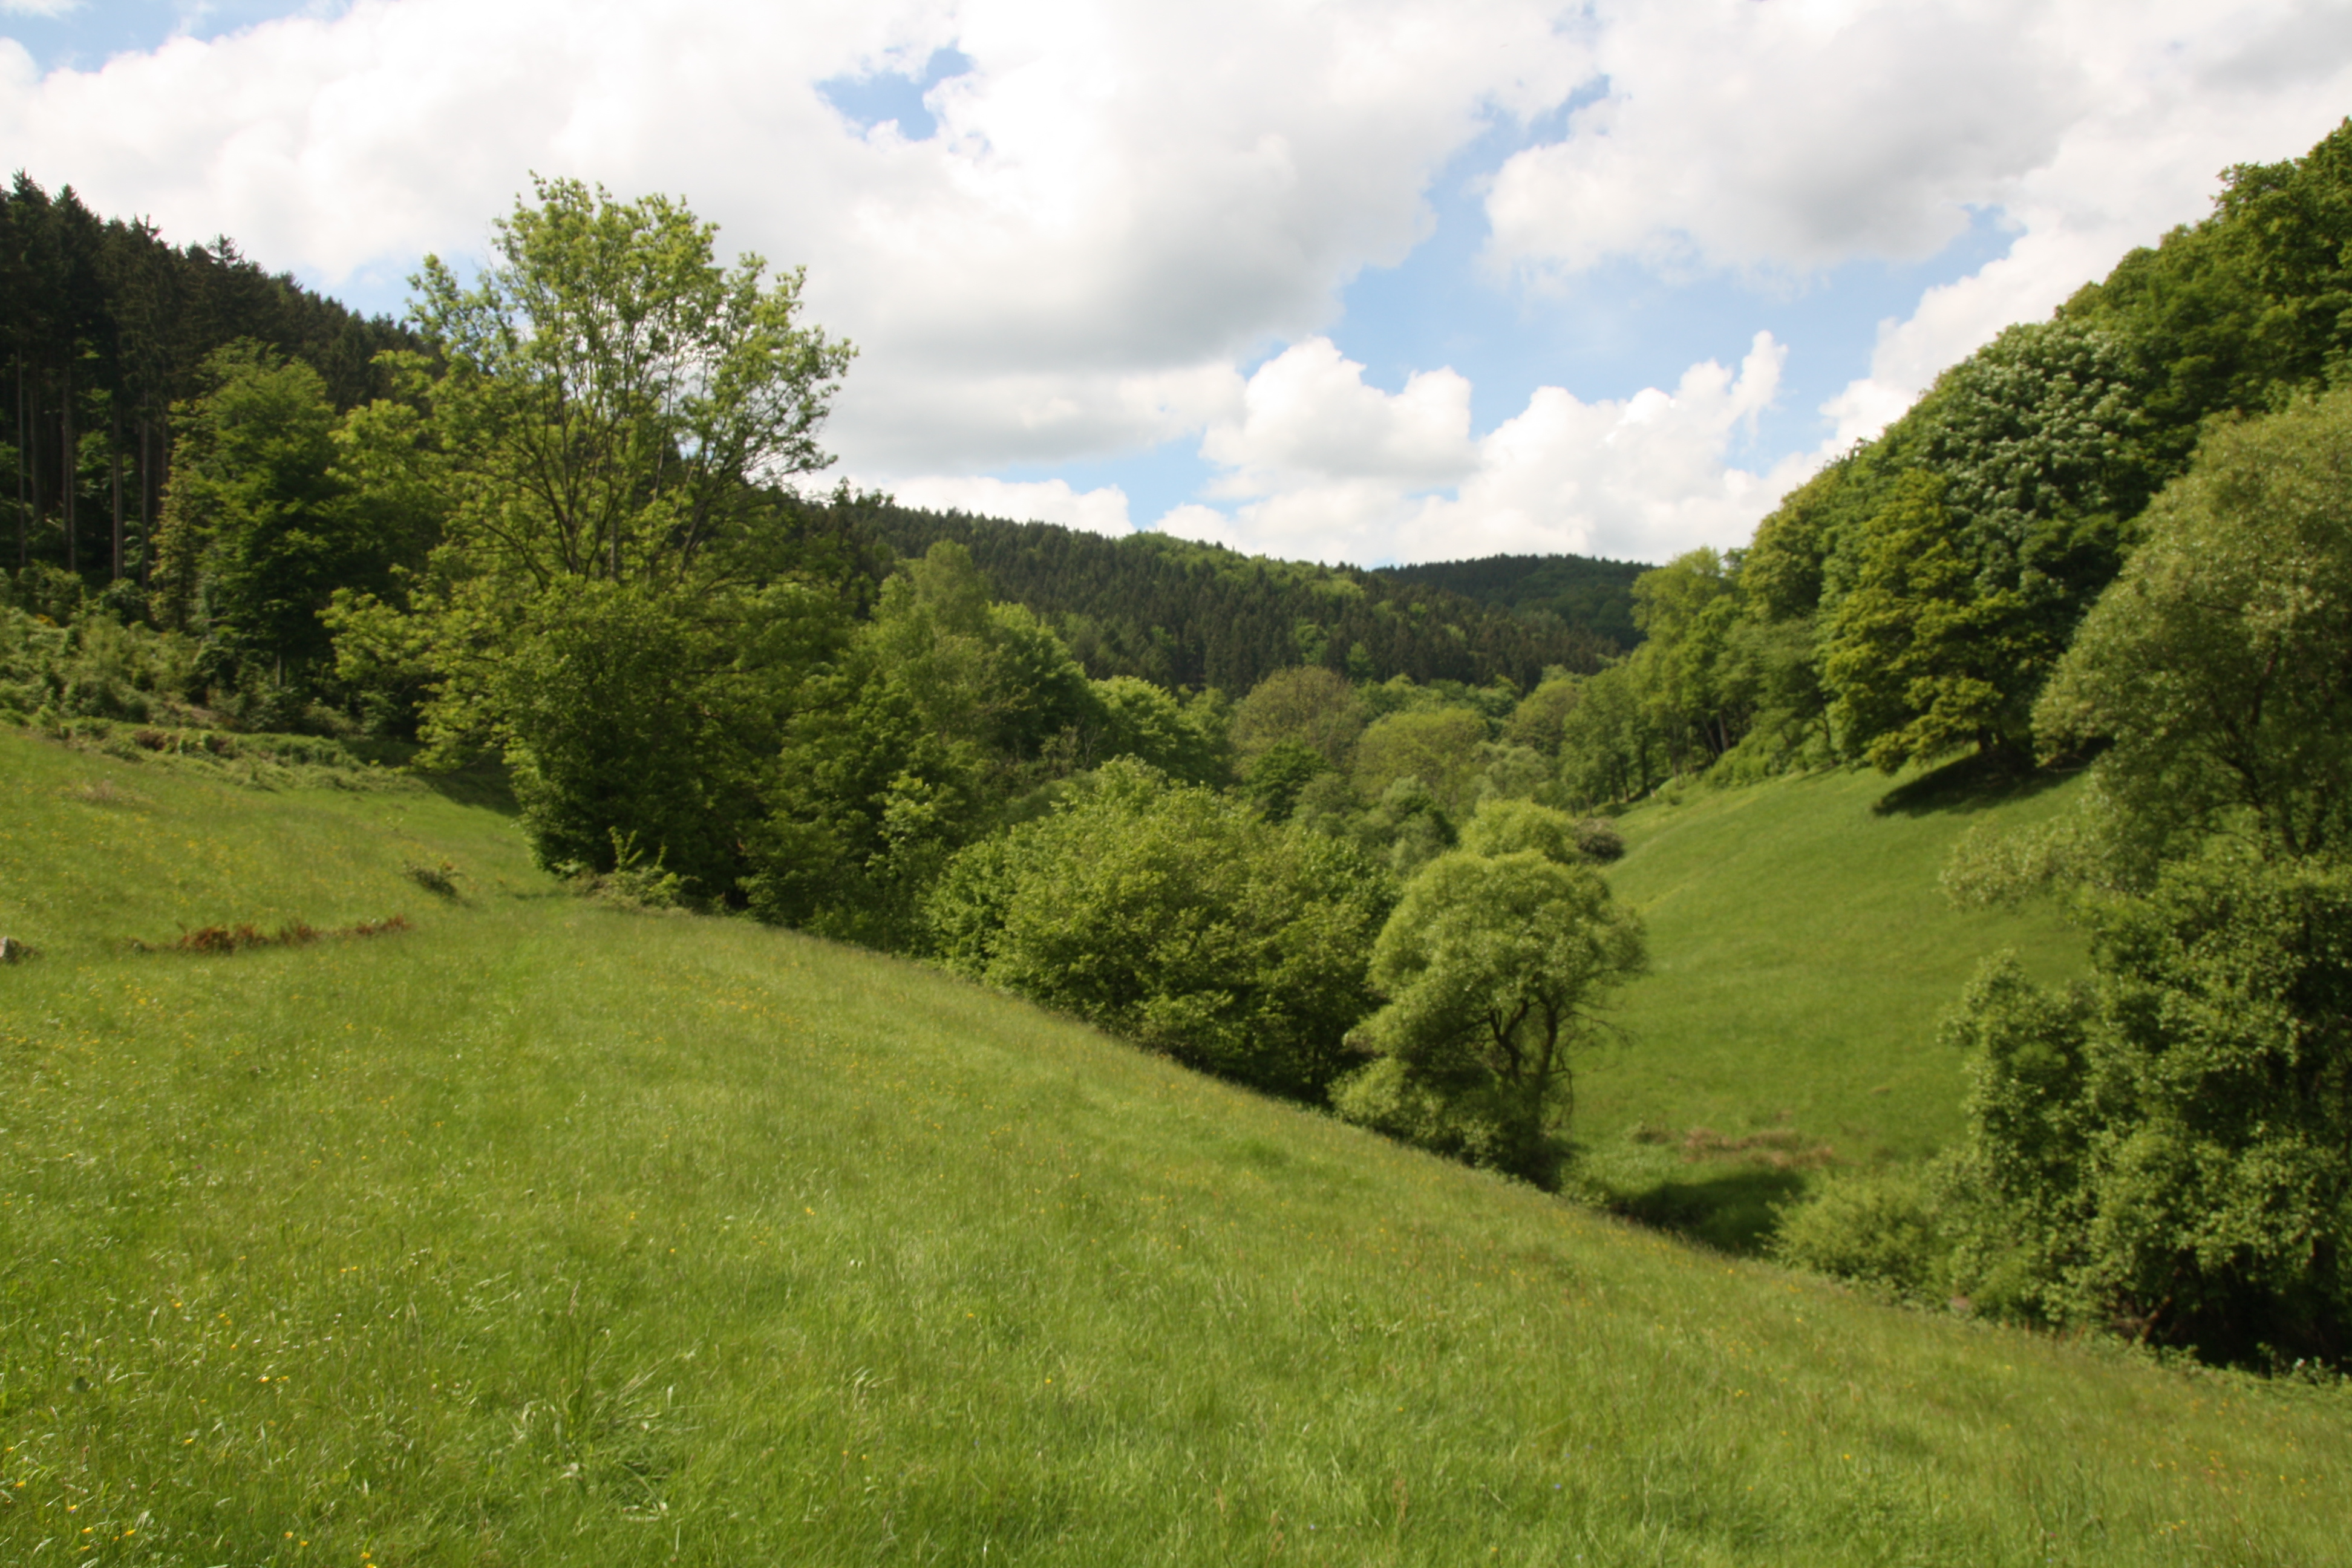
(1803, 956)
(547, 1233)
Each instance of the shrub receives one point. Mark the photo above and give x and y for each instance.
(1178, 916)
(1880, 1229)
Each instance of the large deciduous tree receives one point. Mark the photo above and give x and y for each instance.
(607, 415)
(2219, 666)
(614, 396)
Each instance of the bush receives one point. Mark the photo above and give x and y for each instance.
(1880, 1229)
(1176, 917)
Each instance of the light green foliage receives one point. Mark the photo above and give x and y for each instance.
(260, 524)
(94, 668)
(1883, 1229)
(1440, 747)
(603, 1238)
(1686, 609)
(1494, 967)
(1537, 721)
(1610, 747)
(942, 714)
(1179, 917)
(1184, 737)
(1517, 827)
(2165, 1152)
(611, 393)
(1309, 704)
(2217, 664)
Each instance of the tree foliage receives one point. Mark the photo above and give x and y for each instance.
(2164, 1153)
(1178, 916)
(1494, 968)
(2218, 666)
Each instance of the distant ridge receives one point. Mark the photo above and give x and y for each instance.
(1189, 615)
(1585, 592)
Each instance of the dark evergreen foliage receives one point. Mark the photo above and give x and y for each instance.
(107, 326)
(1184, 615)
(1583, 592)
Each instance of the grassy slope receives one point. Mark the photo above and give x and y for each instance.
(547, 1234)
(1802, 955)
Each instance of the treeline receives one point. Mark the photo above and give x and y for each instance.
(1911, 601)
(2121, 535)
(108, 329)
(1190, 616)
(1579, 591)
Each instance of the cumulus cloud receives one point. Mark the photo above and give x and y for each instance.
(1100, 510)
(1339, 470)
(1118, 205)
(1783, 138)
(1113, 195)
(1738, 134)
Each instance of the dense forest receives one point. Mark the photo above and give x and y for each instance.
(1184, 615)
(1336, 835)
(108, 330)
(1581, 592)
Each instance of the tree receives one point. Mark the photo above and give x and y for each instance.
(1178, 916)
(1309, 704)
(261, 522)
(2163, 1153)
(1437, 746)
(939, 713)
(614, 399)
(1958, 593)
(621, 600)
(1494, 968)
(2218, 666)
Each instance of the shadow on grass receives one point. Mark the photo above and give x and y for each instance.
(1975, 782)
(1729, 1209)
(484, 783)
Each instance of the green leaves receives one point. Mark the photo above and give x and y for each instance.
(1494, 966)
(1179, 917)
(2220, 664)
(613, 394)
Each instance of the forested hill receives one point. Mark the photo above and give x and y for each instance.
(1581, 591)
(1184, 614)
(107, 327)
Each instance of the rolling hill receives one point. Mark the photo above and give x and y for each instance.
(544, 1231)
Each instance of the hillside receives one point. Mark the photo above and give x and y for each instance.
(1189, 614)
(1802, 955)
(1584, 592)
(546, 1232)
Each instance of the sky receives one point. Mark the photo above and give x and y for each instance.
(1380, 281)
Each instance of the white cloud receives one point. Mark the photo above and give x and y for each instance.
(1788, 135)
(1116, 195)
(1785, 138)
(1644, 478)
(38, 7)
(1125, 202)
(1102, 510)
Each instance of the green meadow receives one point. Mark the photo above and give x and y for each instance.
(1802, 955)
(545, 1232)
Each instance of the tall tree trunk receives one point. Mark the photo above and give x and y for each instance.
(34, 436)
(114, 472)
(146, 491)
(23, 545)
(70, 474)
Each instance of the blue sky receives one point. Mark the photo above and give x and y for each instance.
(1401, 279)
